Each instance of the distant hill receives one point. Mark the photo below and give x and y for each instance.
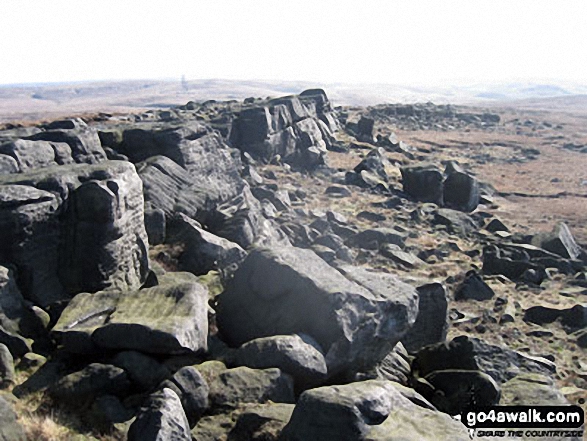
(43, 101)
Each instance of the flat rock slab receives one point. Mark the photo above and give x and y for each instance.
(167, 319)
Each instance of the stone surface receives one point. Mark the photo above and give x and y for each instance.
(261, 422)
(82, 387)
(297, 355)
(239, 385)
(172, 320)
(559, 241)
(424, 182)
(468, 353)
(461, 190)
(473, 288)
(203, 251)
(271, 290)
(369, 410)
(80, 228)
(6, 367)
(10, 429)
(144, 371)
(193, 391)
(431, 325)
(161, 419)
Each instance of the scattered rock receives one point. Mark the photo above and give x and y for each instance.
(297, 355)
(424, 182)
(6, 367)
(162, 418)
(10, 429)
(473, 288)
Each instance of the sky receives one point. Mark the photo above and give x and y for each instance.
(414, 42)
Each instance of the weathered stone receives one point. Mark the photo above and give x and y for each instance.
(457, 390)
(369, 410)
(271, 290)
(166, 319)
(82, 140)
(431, 325)
(155, 225)
(18, 321)
(244, 385)
(468, 353)
(473, 287)
(461, 190)
(456, 221)
(261, 422)
(560, 241)
(193, 391)
(297, 355)
(203, 251)
(405, 259)
(84, 229)
(144, 371)
(82, 387)
(161, 419)
(10, 429)
(423, 182)
(30, 154)
(8, 165)
(531, 389)
(365, 128)
(6, 367)
(374, 238)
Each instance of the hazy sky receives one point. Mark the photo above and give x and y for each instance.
(398, 42)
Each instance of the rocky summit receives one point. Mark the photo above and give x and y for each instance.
(283, 269)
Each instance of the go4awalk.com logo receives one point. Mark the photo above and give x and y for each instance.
(525, 421)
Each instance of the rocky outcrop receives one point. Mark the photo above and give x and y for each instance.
(167, 319)
(271, 290)
(298, 129)
(74, 228)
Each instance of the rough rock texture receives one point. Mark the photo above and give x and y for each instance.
(203, 251)
(369, 410)
(244, 385)
(431, 325)
(461, 190)
(165, 319)
(298, 129)
(261, 422)
(36, 154)
(356, 319)
(202, 168)
(559, 241)
(10, 429)
(83, 141)
(161, 419)
(6, 367)
(82, 387)
(18, 321)
(193, 391)
(473, 287)
(424, 182)
(297, 355)
(74, 228)
(470, 353)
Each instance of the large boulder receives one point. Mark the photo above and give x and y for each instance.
(356, 317)
(559, 241)
(297, 355)
(424, 182)
(239, 385)
(468, 353)
(74, 228)
(161, 419)
(461, 190)
(10, 429)
(166, 319)
(369, 410)
(432, 323)
(202, 251)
